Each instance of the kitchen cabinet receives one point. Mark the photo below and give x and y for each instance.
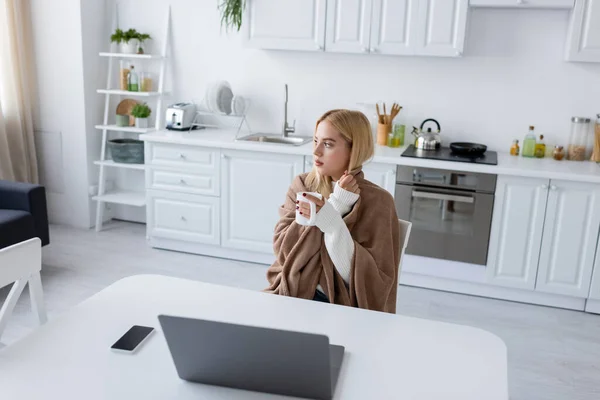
(391, 27)
(348, 26)
(441, 27)
(380, 174)
(583, 38)
(544, 235)
(516, 233)
(253, 187)
(523, 3)
(286, 24)
(570, 238)
(383, 175)
(595, 285)
(185, 217)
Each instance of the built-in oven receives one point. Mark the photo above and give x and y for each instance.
(450, 211)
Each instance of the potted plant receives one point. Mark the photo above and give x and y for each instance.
(141, 112)
(141, 38)
(231, 13)
(127, 40)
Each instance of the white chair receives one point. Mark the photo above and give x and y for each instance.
(405, 227)
(21, 263)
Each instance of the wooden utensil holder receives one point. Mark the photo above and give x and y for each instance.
(383, 131)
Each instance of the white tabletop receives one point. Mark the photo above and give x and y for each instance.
(387, 356)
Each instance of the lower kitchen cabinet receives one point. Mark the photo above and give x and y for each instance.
(253, 187)
(180, 216)
(544, 235)
(383, 175)
(570, 238)
(516, 233)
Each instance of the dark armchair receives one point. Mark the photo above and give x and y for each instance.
(23, 213)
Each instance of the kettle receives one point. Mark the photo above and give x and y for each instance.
(427, 140)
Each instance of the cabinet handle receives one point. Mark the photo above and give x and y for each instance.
(544, 186)
(553, 187)
(373, 50)
(365, 50)
(319, 47)
(459, 53)
(182, 156)
(520, 2)
(183, 218)
(223, 156)
(182, 181)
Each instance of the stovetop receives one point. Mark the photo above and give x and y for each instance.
(445, 154)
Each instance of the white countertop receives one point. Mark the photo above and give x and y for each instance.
(583, 171)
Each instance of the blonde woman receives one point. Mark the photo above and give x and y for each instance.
(350, 254)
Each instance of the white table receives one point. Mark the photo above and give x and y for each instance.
(387, 356)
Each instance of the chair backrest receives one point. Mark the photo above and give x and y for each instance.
(405, 227)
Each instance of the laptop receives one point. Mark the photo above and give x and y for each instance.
(253, 358)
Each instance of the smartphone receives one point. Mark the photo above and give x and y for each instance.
(132, 339)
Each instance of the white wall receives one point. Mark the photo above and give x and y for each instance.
(512, 75)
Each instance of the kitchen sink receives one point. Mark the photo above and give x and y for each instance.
(277, 139)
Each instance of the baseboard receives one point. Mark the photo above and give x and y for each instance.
(211, 250)
(592, 306)
(496, 292)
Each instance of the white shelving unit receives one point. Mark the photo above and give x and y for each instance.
(126, 197)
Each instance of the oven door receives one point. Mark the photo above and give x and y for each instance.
(446, 224)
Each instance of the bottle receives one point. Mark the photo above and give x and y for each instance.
(132, 80)
(559, 153)
(514, 149)
(540, 148)
(529, 143)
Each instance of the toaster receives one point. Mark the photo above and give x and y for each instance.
(179, 116)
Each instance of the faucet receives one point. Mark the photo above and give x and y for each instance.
(286, 127)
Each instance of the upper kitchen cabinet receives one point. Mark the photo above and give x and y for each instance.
(393, 28)
(583, 40)
(523, 3)
(348, 26)
(570, 237)
(286, 24)
(441, 27)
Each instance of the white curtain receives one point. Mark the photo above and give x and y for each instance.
(17, 149)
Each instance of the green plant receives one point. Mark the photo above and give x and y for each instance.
(117, 37)
(141, 111)
(231, 13)
(125, 36)
(141, 37)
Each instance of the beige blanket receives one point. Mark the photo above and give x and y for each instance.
(302, 260)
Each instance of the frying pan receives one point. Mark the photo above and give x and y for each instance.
(468, 149)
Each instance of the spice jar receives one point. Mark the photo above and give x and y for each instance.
(580, 139)
(559, 153)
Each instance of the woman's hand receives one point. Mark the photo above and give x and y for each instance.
(348, 182)
(304, 207)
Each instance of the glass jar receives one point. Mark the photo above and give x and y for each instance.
(559, 153)
(145, 82)
(580, 140)
(123, 74)
(596, 145)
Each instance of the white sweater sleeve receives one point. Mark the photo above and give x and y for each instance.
(342, 200)
(338, 240)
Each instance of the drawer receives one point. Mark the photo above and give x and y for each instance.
(184, 182)
(198, 159)
(184, 217)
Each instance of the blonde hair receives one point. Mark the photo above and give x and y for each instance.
(355, 128)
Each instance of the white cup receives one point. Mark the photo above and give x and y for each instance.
(301, 219)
